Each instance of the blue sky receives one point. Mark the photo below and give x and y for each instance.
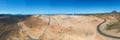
(57, 6)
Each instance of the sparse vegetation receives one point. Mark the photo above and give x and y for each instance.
(113, 26)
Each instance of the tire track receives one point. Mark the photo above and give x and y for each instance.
(102, 33)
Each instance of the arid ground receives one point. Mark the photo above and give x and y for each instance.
(61, 27)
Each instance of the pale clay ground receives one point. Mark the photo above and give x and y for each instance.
(63, 27)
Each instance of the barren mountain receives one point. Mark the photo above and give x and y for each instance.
(61, 27)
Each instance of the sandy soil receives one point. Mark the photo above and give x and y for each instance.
(62, 27)
(65, 27)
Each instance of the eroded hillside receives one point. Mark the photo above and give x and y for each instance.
(60, 27)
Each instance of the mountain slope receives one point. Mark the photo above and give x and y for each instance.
(58, 27)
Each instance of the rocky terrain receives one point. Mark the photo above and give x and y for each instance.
(60, 27)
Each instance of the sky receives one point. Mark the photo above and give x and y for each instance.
(58, 6)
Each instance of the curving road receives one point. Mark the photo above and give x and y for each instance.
(102, 33)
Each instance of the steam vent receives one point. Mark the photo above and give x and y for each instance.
(60, 27)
